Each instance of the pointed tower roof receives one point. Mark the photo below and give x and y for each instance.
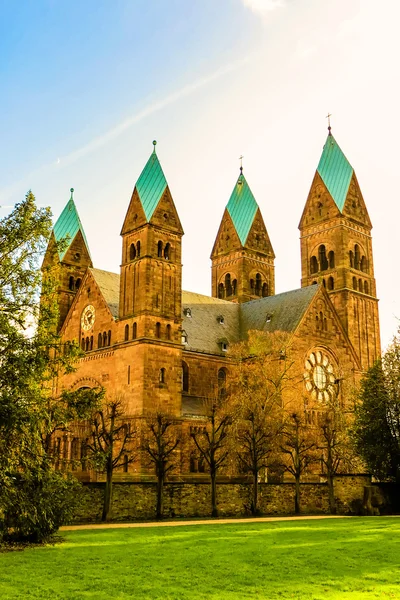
(151, 184)
(242, 208)
(335, 170)
(67, 225)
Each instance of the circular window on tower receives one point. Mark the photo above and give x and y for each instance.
(319, 376)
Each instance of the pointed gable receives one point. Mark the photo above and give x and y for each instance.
(335, 171)
(67, 227)
(242, 208)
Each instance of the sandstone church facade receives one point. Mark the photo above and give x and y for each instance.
(155, 344)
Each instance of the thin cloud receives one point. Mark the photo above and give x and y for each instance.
(263, 8)
(122, 127)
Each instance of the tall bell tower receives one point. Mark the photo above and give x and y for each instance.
(242, 257)
(336, 249)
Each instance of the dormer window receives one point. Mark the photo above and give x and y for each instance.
(184, 337)
(268, 318)
(224, 346)
(220, 319)
(187, 312)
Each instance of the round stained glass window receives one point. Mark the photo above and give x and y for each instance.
(319, 377)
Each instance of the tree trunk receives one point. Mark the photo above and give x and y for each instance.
(107, 495)
(254, 504)
(331, 492)
(297, 496)
(214, 511)
(160, 497)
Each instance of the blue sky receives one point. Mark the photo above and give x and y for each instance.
(86, 87)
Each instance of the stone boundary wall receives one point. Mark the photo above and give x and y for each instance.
(134, 501)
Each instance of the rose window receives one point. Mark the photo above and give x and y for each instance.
(319, 377)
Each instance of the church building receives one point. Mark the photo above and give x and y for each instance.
(146, 339)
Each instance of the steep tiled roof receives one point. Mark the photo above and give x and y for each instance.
(282, 312)
(151, 185)
(109, 287)
(67, 226)
(242, 208)
(204, 328)
(335, 171)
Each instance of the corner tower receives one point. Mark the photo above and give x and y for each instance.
(336, 249)
(68, 251)
(151, 269)
(242, 257)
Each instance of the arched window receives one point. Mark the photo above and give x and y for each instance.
(351, 259)
(126, 463)
(158, 330)
(354, 283)
(87, 344)
(71, 284)
(78, 283)
(185, 377)
(234, 287)
(331, 283)
(258, 284)
(323, 262)
(161, 376)
(109, 337)
(168, 331)
(363, 265)
(126, 333)
(138, 249)
(91, 342)
(313, 265)
(99, 340)
(221, 382)
(252, 286)
(167, 251)
(317, 322)
(104, 338)
(265, 290)
(366, 290)
(221, 291)
(325, 324)
(132, 252)
(356, 256)
(228, 285)
(159, 249)
(331, 258)
(360, 285)
(134, 331)
(324, 283)
(83, 344)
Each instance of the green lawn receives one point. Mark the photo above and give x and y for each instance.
(326, 559)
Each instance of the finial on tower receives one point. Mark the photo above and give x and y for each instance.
(72, 193)
(328, 116)
(154, 144)
(241, 163)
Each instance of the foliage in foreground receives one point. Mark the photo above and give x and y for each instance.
(331, 559)
(377, 424)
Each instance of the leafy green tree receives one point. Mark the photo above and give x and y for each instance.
(377, 416)
(30, 360)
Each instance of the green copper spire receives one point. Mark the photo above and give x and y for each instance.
(335, 171)
(242, 207)
(68, 224)
(151, 184)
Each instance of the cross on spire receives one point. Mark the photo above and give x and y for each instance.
(328, 116)
(241, 163)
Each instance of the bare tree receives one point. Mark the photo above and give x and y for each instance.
(255, 395)
(110, 445)
(335, 446)
(211, 442)
(160, 440)
(298, 445)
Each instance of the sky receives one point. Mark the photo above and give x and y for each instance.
(86, 86)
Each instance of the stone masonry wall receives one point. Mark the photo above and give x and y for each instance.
(136, 500)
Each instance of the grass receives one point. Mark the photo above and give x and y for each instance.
(325, 559)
